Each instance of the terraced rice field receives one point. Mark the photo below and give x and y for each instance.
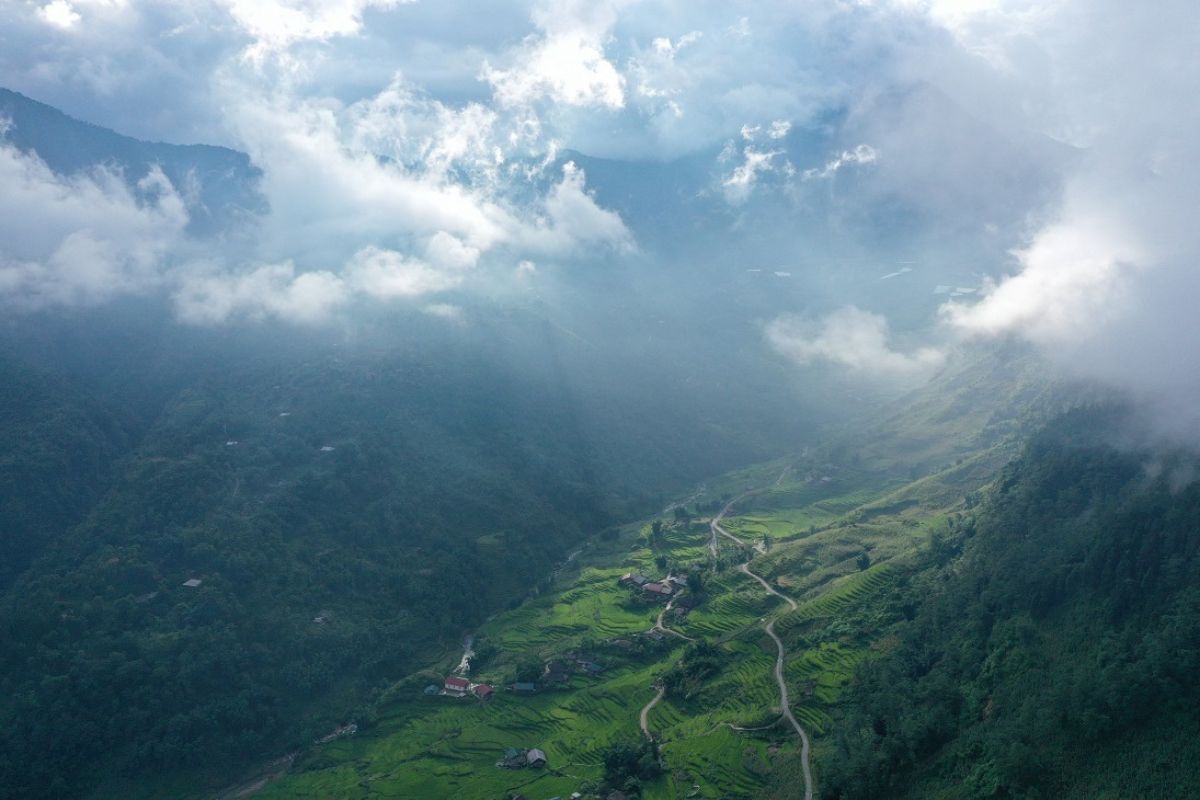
(427, 747)
(836, 597)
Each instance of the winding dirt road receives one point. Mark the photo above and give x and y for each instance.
(645, 716)
(715, 527)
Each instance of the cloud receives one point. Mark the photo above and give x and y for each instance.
(862, 154)
(851, 338)
(85, 239)
(387, 274)
(446, 311)
(1105, 278)
(739, 184)
(60, 14)
(275, 25)
(572, 220)
(269, 291)
(565, 61)
(280, 291)
(1070, 281)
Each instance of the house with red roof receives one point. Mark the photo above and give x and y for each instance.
(483, 691)
(457, 684)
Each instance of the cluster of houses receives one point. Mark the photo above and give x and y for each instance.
(557, 671)
(519, 759)
(654, 590)
(456, 686)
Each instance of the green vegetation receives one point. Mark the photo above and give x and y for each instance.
(349, 516)
(1048, 645)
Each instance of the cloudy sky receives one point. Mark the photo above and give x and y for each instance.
(409, 148)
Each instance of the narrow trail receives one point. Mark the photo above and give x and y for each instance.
(645, 715)
(660, 626)
(785, 705)
(787, 711)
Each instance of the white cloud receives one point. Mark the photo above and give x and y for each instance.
(275, 25)
(270, 291)
(387, 274)
(862, 154)
(446, 311)
(449, 251)
(565, 61)
(572, 220)
(852, 338)
(1070, 281)
(82, 240)
(739, 184)
(60, 14)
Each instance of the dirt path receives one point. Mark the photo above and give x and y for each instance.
(660, 626)
(645, 715)
(770, 589)
(787, 710)
(784, 702)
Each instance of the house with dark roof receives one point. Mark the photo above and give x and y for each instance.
(535, 758)
(657, 591)
(522, 687)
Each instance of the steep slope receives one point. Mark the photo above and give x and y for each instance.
(58, 450)
(219, 185)
(1051, 650)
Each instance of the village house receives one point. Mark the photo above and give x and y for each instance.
(657, 591)
(523, 687)
(456, 685)
(557, 672)
(634, 579)
(432, 689)
(517, 759)
(483, 691)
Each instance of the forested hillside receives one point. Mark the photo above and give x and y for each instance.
(57, 451)
(1053, 639)
(349, 513)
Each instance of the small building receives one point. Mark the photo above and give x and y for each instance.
(513, 759)
(535, 758)
(591, 667)
(192, 583)
(557, 672)
(432, 689)
(634, 579)
(483, 691)
(457, 684)
(657, 590)
(522, 687)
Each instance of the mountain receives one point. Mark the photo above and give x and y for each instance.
(219, 185)
(1051, 646)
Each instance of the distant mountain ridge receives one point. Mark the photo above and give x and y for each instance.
(219, 185)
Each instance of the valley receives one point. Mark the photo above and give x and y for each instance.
(707, 699)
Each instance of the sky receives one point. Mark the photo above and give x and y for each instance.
(412, 148)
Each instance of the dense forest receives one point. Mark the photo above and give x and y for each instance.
(348, 513)
(1052, 637)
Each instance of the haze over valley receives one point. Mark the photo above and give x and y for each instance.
(627, 399)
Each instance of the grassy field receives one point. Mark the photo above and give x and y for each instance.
(817, 532)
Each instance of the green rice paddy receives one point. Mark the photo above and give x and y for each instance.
(435, 747)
